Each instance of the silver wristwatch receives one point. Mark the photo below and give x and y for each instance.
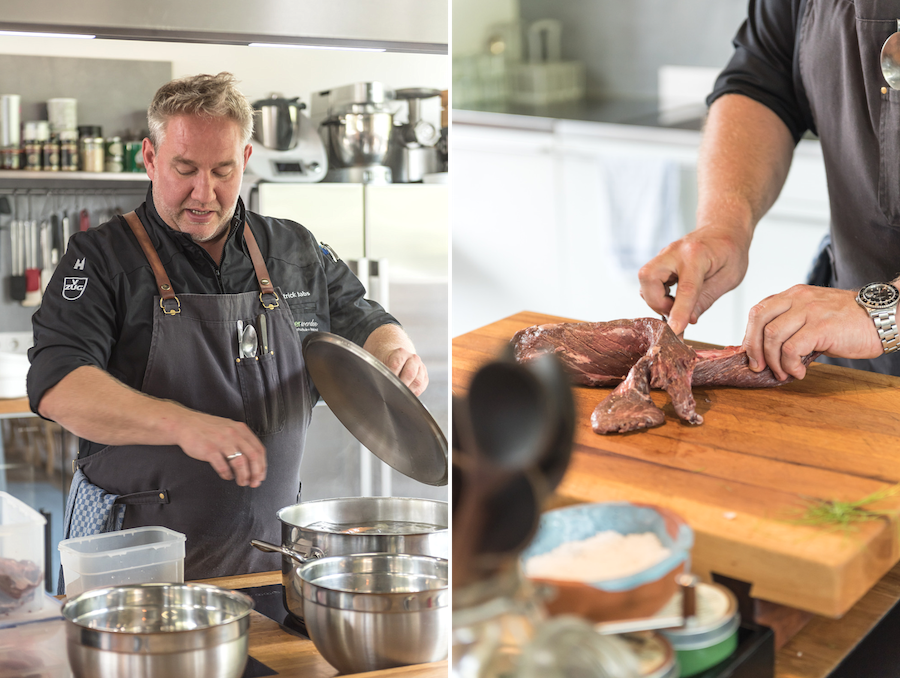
(880, 300)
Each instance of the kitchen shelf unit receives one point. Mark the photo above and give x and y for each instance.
(16, 179)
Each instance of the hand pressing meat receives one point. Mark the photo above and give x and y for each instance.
(638, 355)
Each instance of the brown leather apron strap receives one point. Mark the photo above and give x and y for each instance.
(259, 266)
(162, 280)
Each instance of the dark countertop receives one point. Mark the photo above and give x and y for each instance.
(640, 112)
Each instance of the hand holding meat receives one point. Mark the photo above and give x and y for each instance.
(787, 326)
(705, 264)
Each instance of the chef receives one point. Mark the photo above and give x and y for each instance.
(137, 348)
(799, 65)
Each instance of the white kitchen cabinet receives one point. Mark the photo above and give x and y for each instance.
(535, 228)
(506, 248)
(407, 224)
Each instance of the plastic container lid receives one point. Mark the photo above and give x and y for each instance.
(112, 551)
(716, 620)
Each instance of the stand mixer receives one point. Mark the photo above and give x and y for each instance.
(413, 151)
(355, 124)
(287, 146)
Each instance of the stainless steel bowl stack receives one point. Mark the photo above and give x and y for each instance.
(150, 630)
(376, 611)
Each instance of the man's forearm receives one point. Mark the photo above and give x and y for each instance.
(93, 405)
(744, 160)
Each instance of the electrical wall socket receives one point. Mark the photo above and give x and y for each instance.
(16, 342)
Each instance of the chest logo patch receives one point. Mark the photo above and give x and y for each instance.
(73, 288)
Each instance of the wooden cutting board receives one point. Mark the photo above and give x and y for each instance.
(740, 479)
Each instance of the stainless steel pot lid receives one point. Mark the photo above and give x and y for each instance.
(376, 407)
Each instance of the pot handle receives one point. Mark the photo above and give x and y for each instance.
(314, 552)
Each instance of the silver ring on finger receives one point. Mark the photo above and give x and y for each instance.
(229, 457)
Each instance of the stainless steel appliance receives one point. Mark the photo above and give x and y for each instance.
(413, 151)
(355, 123)
(288, 147)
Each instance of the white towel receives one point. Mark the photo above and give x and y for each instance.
(641, 199)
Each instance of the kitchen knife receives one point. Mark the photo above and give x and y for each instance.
(17, 277)
(46, 255)
(56, 238)
(32, 272)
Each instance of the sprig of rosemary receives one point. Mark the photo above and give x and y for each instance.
(844, 515)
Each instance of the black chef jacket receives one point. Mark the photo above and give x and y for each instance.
(98, 307)
(817, 65)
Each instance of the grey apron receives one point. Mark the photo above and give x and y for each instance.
(194, 361)
(839, 48)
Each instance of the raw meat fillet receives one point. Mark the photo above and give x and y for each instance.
(606, 353)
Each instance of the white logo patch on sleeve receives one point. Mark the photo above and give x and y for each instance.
(79, 265)
(73, 288)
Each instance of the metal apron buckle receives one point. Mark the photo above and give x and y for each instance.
(174, 311)
(269, 306)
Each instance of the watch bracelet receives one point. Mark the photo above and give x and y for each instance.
(886, 324)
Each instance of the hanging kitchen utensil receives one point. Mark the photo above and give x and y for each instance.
(17, 285)
(32, 270)
(84, 220)
(55, 239)
(890, 59)
(376, 407)
(240, 338)
(66, 232)
(46, 267)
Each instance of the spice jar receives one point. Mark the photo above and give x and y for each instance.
(50, 155)
(68, 150)
(115, 155)
(92, 154)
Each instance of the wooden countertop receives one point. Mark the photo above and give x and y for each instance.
(740, 460)
(295, 657)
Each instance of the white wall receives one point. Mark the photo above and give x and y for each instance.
(261, 71)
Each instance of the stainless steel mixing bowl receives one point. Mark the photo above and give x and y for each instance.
(150, 630)
(357, 139)
(374, 611)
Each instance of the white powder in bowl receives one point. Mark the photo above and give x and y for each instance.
(606, 555)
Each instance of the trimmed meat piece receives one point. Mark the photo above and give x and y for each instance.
(606, 353)
(628, 407)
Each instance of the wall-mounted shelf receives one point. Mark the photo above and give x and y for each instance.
(73, 180)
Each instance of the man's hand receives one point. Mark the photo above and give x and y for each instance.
(785, 327)
(409, 368)
(92, 404)
(391, 345)
(215, 439)
(705, 264)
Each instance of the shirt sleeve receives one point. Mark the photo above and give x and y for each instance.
(75, 323)
(762, 66)
(352, 315)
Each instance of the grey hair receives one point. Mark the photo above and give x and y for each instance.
(214, 96)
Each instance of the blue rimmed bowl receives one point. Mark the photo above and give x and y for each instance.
(638, 595)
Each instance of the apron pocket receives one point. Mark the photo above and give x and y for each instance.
(889, 171)
(261, 392)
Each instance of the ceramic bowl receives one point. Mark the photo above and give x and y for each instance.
(640, 594)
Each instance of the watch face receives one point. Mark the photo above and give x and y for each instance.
(879, 295)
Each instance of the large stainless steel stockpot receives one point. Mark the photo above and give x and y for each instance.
(305, 530)
(149, 630)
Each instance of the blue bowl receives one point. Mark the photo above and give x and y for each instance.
(637, 595)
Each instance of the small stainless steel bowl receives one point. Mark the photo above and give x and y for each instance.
(148, 630)
(374, 611)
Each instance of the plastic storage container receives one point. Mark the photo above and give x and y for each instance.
(35, 644)
(21, 558)
(140, 555)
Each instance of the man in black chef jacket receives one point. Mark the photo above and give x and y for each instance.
(136, 343)
(798, 66)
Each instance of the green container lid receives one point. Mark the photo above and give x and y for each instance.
(710, 636)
